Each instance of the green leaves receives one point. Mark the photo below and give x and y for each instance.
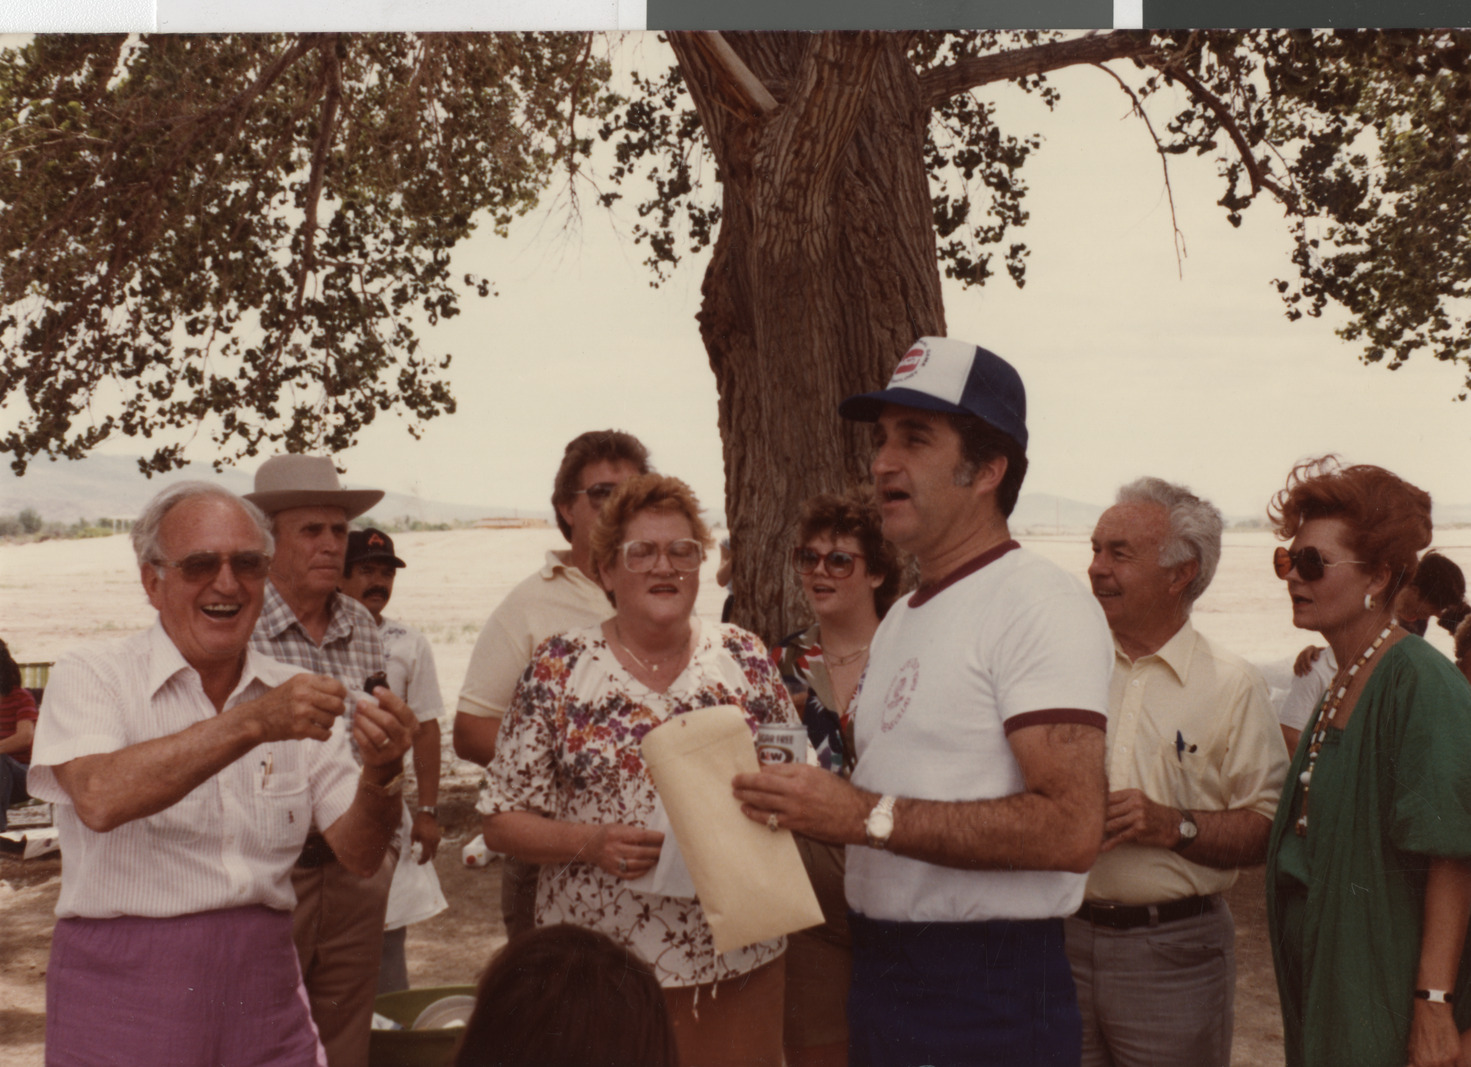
(241, 235)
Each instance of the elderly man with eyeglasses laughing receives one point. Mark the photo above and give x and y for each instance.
(187, 768)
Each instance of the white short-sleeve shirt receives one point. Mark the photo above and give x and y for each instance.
(229, 842)
(1009, 640)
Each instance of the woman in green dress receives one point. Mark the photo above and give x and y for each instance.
(1369, 869)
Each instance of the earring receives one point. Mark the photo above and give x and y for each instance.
(1368, 602)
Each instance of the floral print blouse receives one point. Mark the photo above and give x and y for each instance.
(569, 750)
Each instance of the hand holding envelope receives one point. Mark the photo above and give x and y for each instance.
(750, 880)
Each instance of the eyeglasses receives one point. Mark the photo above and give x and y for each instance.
(686, 554)
(839, 564)
(597, 493)
(203, 566)
(1308, 561)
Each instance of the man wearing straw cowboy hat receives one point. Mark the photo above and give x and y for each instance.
(305, 621)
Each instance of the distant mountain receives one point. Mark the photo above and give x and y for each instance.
(113, 487)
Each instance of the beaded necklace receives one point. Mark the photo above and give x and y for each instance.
(1325, 720)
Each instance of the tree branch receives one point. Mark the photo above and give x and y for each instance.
(1259, 178)
(967, 74)
(739, 76)
(1179, 237)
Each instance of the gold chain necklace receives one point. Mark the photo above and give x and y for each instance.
(1325, 720)
(843, 661)
(618, 636)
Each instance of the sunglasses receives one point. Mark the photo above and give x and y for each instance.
(1308, 561)
(837, 563)
(203, 566)
(639, 557)
(597, 493)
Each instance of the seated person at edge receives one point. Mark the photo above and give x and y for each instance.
(1369, 861)
(187, 768)
(17, 728)
(567, 996)
(850, 576)
(568, 787)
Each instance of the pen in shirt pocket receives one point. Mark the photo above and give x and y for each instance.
(267, 765)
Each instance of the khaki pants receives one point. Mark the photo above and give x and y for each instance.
(338, 930)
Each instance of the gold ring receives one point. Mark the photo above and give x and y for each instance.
(622, 865)
(771, 823)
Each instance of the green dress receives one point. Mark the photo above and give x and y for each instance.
(1346, 902)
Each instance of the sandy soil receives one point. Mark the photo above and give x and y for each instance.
(55, 594)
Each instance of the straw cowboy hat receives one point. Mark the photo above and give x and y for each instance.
(292, 481)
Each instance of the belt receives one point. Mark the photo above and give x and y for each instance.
(316, 852)
(1129, 916)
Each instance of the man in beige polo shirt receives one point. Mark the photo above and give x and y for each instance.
(564, 594)
(1195, 766)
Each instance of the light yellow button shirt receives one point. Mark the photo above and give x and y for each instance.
(1193, 727)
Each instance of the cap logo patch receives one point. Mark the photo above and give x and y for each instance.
(910, 365)
(375, 540)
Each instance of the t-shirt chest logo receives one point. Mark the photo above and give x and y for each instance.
(901, 692)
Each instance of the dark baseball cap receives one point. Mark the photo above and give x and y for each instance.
(943, 374)
(370, 544)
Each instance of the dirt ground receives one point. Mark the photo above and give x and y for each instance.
(454, 946)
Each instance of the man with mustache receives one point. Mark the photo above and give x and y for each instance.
(187, 768)
(367, 577)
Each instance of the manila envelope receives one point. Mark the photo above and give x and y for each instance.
(750, 881)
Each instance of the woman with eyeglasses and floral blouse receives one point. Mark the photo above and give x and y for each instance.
(568, 788)
(850, 575)
(1369, 867)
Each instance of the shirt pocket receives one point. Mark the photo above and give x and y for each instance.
(1187, 776)
(282, 799)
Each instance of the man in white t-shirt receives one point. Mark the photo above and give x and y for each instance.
(977, 804)
(368, 572)
(564, 595)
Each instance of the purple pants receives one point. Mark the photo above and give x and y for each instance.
(218, 987)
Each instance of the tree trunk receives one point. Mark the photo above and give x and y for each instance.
(823, 273)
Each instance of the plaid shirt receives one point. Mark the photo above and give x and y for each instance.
(350, 650)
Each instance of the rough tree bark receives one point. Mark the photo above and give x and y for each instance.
(825, 267)
(800, 313)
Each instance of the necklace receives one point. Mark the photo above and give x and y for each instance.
(843, 661)
(654, 668)
(1325, 720)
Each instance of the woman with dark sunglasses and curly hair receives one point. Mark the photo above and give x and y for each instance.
(1369, 867)
(850, 575)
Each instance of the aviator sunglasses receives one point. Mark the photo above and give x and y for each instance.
(1308, 561)
(839, 564)
(203, 566)
(597, 493)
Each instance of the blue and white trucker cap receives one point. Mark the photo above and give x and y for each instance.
(943, 374)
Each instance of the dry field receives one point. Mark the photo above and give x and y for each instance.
(58, 593)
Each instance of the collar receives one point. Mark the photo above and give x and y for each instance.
(926, 593)
(166, 662)
(1176, 653)
(276, 616)
(558, 564)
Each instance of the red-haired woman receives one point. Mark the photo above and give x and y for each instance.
(568, 788)
(1368, 879)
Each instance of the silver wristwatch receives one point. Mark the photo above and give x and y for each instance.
(880, 823)
(1188, 831)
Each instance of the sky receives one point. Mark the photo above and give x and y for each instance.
(1132, 367)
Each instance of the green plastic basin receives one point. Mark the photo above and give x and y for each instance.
(414, 1048)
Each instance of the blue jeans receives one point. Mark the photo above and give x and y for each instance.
(990, 994)
(12, 785)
